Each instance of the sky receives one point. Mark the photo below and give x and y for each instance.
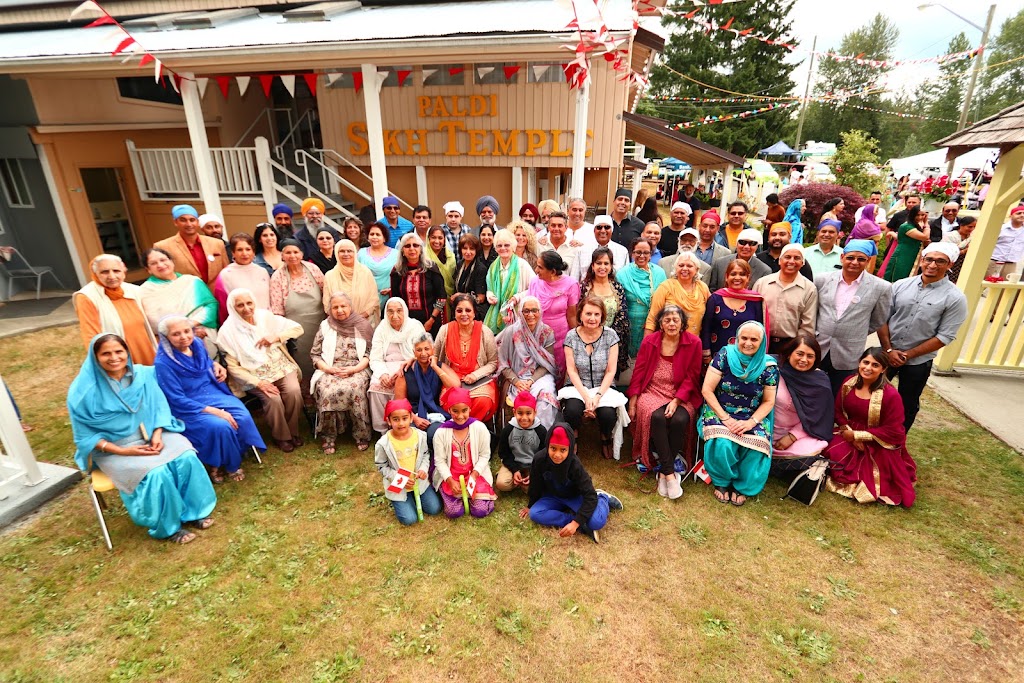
(923, 33)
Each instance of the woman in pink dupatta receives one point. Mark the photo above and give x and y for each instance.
(558, 295)
(869, 455)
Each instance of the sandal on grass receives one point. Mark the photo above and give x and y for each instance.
(215, 475)
(362, 445)
(737, 498)
(328, 446)
(722, 494)
(181, 537)
(237, 475)
(202, 524)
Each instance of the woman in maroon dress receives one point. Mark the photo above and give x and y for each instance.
(869, 455)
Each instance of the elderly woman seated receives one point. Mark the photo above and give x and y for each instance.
(390, 350)
(468, 347)
(526, 359)
(123, 426)
(109, 304)
(422, 384)
(253, 342)
(804, 410)
(341, 358)
(739, 396)
(216, 422)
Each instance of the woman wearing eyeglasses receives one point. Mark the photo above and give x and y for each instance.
(639, 280)
(417, 281)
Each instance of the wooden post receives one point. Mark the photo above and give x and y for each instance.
(193, 105)
(1006, 188)
(375, 134)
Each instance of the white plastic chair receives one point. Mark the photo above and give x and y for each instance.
(29, 271)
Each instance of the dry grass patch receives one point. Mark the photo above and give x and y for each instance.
(308, 577)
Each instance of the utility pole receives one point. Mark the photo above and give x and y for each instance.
(974, 78)
(807, 91)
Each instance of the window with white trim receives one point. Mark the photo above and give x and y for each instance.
(12, 178)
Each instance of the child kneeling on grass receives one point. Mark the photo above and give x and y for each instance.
(402, 458)
(519, 441)
(561, 492)
(462, 453)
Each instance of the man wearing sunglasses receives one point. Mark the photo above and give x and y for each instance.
(602, 238)
(852, 304)
(927, 311)
(736, 222)
(746, 247)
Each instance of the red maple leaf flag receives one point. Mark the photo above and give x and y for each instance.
(471, 486)
(400, 481)
(699, 472)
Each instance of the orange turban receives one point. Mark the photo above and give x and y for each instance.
(310, 203)
(783, 224)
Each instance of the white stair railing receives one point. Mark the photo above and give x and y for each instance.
(267, 165)
(304, 159)
(170, 173)
(342, 160)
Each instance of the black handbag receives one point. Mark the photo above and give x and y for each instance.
(808, 484)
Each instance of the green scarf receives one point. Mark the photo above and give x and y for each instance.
(503, 289)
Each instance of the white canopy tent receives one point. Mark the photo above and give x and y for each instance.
(934, 162)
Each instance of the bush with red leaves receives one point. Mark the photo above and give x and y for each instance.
(815, 195)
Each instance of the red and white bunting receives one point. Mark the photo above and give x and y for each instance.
(482, 71)
(332, 77)
(243, 83)
(288, 81)
(427, 73)
(201, 84)
(539, 71)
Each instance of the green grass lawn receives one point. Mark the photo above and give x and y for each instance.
(308, 577)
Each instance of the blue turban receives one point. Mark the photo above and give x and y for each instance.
(835, 224)
(866, 247)
(487, 200)
(183, 210)
(281, 208)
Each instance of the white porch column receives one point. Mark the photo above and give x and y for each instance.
(19, 453)
(421, 186)
(62, 217)
(579, 140)
(517, 186)
(266, 174)
(375, 134)
(727, 195)
(193, 105)
(638, 175)
(531, 185)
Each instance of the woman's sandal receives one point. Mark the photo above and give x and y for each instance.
(181, 537)
(328, 446)
(285, 446)
(722, 494)
(237, 475)
(216, 476)
(737, 498)
(202, 524)
(362, 445)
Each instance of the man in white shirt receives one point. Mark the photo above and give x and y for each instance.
(558, 242)
(578, 230)
(825, 257)
(876, 199)
(791, 301)
(603, 226)
(1009, 245)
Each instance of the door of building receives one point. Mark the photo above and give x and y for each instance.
(104, 190)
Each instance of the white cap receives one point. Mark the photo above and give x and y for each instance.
(688, 231)
(792, 247)
(947, 249)
(604, 220)
(456, 207)
(209, 218)
(684, 206)
(750, 235)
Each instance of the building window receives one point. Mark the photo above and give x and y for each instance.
(542, 72)
(146, 89)
(441, 74)
(12, 177)
(496, 75)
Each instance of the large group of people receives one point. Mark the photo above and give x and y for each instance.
(715, 354)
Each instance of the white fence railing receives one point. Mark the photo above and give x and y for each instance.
(170, 173)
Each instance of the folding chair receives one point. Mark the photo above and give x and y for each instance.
(99, 484)
(29, 271)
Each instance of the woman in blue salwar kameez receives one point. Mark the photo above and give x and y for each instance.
(216, 422)
(123, 426)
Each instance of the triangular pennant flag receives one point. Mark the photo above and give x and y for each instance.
(102, 21)
(224, 83)
(146, 59)
(539, 71)
(310, 80)
(243, 83)
(482, 71)
(510, 71)
(265, 82)
(382, 75)
(201, 84)
(289, 83)
(131, 52)
(403, 74)
(455, 70)
(331, 78)
(357, 80)
(122, 46)
(87, 6)
(158, 68)
(427, 73)
(727, 24)
(176, 82)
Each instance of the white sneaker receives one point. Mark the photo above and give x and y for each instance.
(662, 491)
(673, 488)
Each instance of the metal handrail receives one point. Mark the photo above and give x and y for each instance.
(313, 191)
(300, 159)
(265, 114)
(358, 170)
(279, 148)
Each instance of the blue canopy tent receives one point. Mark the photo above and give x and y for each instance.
(779, 149)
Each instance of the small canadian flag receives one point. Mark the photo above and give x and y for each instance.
(700, 473)
(400, 481)
(470, 486)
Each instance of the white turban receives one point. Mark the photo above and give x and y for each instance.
(689, 231)
(210, 218)
(750, 235)
(684, 206)
(792, 247)
(604, 220)
(947, 249)
(456, 207)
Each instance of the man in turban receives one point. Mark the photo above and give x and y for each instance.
(779, 235)
(313, 215)
(282, 214)
(912, 338)
(454, 228)
(397, 225)
(487, 209)
(192, 252)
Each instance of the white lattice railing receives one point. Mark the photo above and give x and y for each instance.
(170, 173)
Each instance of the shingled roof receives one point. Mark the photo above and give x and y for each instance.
(1003, 130)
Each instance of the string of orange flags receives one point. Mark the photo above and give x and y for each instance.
(598, 41)
(707, 120)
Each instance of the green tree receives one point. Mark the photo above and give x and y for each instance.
(852, 159)
(900, 136)
(723, 60)
(825, 121)
(1002, 82)
(945, 94)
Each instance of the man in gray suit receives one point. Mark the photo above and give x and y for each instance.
(746, 245)
(852, 304)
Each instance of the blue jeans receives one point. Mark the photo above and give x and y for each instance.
(557, 512)
(405, 510)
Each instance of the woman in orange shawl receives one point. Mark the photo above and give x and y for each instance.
(468, 348)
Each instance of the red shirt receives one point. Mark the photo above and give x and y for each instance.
(199, 256)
